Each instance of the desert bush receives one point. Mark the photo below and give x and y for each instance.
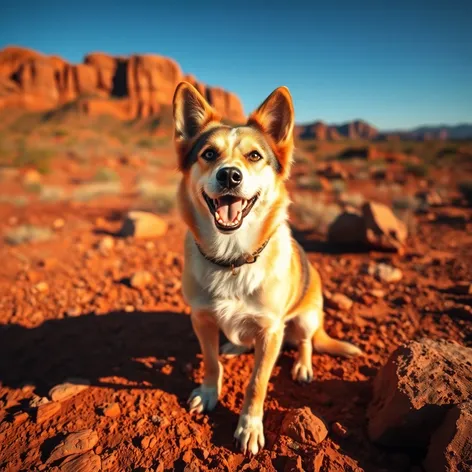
(105, 174)
(50, 193)
(28, 234)
(418, 170)
(161, 197)
(314, 212)
(338, 186)
(33, 187)
(38, 158)
(94, 190)
(17, 200)
(465, 188)
(60, 133)
(405, 202)
(150, 143)
(309, 182)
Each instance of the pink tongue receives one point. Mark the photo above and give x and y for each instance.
(228, 209)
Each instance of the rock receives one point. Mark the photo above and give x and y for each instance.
(377, 293)
(304, 427)
(413, 392)
(294, 464)
(450, 448)
(36, 401)
(41, 287)
(31, 177)
(461, 288)
(338, 301)
(46, 411)
(106, 244)
(383, 272)
(141, 224)
(383, 229)
(58, 223)
(339, 430)
(88, 462)
(112, 410)
(347, 228)
(20, 417)
(429, 197)
(68, 389)
(74, 443)
(141, 279)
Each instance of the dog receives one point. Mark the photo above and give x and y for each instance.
(244, 274)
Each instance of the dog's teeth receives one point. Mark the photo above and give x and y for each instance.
(244, 204)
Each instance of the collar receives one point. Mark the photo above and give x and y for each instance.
(235, 263)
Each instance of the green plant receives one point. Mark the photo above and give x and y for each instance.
(27, 234)
(17, 200)
(314, 213)
(417, 169)
(162, 198)
(105, 174)
(309, 182)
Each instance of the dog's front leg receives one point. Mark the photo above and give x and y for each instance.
(205, 397)
(250, 430)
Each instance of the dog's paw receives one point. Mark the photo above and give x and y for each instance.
(232, 350)
(250, 434)
(203, 399)
(302, 373)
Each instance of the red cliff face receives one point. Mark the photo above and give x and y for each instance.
(127, 87)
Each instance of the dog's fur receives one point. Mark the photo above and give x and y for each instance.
(256, 304)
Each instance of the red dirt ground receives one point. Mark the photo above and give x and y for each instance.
(137, 348)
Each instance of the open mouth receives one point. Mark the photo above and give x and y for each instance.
(229, 211)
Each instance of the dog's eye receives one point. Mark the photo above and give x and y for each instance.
(209, 155)
(254, 156)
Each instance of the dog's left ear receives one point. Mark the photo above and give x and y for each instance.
(276, 119)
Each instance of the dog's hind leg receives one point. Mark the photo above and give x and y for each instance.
(299, 333)
(229, 350)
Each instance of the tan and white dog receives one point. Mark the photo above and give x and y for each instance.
(243, 271)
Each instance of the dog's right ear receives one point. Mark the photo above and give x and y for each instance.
(192, 113)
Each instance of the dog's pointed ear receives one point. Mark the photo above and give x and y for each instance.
(191, 112)
(276, 119)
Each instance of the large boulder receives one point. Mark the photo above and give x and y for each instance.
(450, 448)
(420, 384)
(375, 226)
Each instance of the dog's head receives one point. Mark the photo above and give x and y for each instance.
(233, 176)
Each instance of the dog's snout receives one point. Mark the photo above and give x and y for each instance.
(229, 177)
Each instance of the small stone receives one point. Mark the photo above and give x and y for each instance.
(129, 308)
(36, 401)
(377, 293)
(46, 411)
(88, 462)
(384, 272)
(58, 223)
(41, 287)
(141, 224)
(112, 410)
(106, 244)
(141, 279)
(303, 426)
(339, 430)
(68, 389)
(73, 312)
(20, 417)
(145, 441)
(74, 443)
(338, 301)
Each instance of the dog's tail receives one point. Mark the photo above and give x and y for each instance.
(323, 343)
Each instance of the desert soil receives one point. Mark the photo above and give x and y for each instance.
(69, 311)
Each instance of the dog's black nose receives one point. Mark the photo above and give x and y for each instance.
(229, 177)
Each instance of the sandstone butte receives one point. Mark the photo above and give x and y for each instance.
(126, 87)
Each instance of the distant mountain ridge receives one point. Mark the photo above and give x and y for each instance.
(360, 129)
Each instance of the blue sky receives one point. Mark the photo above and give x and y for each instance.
(397, 64)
